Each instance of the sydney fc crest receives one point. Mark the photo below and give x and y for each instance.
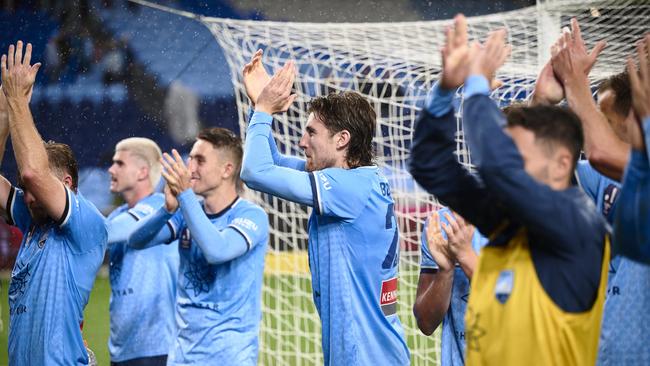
(186, 239)
(503, 288)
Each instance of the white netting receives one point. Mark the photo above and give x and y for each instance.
(394, 64)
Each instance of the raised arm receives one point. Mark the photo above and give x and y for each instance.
(572, 64)
(255, 79)
(631, 229)
(433, 162)
(18, 78)
(259, 171)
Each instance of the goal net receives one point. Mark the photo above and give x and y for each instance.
(394, 65)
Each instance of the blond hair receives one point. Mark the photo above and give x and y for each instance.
(147, 151)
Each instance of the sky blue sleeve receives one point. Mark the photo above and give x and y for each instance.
(439, 101)
(154, 229)
(261, 173)
(83, 223)
(588, 179)
(280, 159)
(427, 263)
(17, 211)
(340, 192)
(218, 246)
(121, 226)
(632, 215)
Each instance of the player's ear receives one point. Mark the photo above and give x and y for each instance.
(143, 173)
(67, 181)
(563, 164)
(342, 139)
(228, 170)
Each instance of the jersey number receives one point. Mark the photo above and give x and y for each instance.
(391, 257)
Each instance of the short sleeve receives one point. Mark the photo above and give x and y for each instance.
(252, 224)
(17, 211)
(83, 224)
(340, 192)
(144, 209)
(588, 179)
(427, 264)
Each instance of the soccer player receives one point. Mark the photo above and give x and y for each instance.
(65, 235)
(353, 234)
(608, 128)
(449, 256)
(538, 290)
(222, 242)
(143, 282)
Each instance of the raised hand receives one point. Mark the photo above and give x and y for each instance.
(176, 173)
(255, 77)
(437, 244)
(455, 52)
(18, 76)
(548, 89)
(570, 59)
(276, 96)
(459, 235)
(486, 59)
(640, 86)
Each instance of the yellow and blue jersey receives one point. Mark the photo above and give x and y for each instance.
(547, 251)
(51, 281)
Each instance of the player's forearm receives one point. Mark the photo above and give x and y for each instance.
(217, 246)
(29, 151)
(119, 229)
(467, 262)
(432, 301)
(605, 150)
(152, 230)
(4, 133)
(631, 230)
(259, 171)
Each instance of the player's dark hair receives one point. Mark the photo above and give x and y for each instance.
(552, 124)
(349, 111)
(619, 84)
(224, 139)
(61, 158)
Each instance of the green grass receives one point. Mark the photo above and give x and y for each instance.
(290, 333)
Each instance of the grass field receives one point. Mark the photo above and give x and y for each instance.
(290, 332)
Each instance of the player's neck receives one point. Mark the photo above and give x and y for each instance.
(133, 196)
(219, 199)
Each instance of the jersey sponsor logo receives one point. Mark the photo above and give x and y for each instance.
(245, 223)
(473, 331)
(19, 280)
(388, 298)
(186, 239)
(609, 198)
(503, 288)
(324, 181)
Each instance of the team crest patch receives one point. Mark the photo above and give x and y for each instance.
(42, 240)
(388, 299)
(503, 288)
(186, 239)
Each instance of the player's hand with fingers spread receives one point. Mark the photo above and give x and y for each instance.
(437, 244)
(486, 59)
(570, 59)
(276, 96)
(640, 87)
(176, 173)
(455, 54)
(18, 76)
(459, 235)
(255, 77)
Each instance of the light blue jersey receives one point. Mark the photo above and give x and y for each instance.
(623, 339)
(453, 324)
(51, 281)
(219, 305)
(143, 287)
(353, 248)
(353, 257)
